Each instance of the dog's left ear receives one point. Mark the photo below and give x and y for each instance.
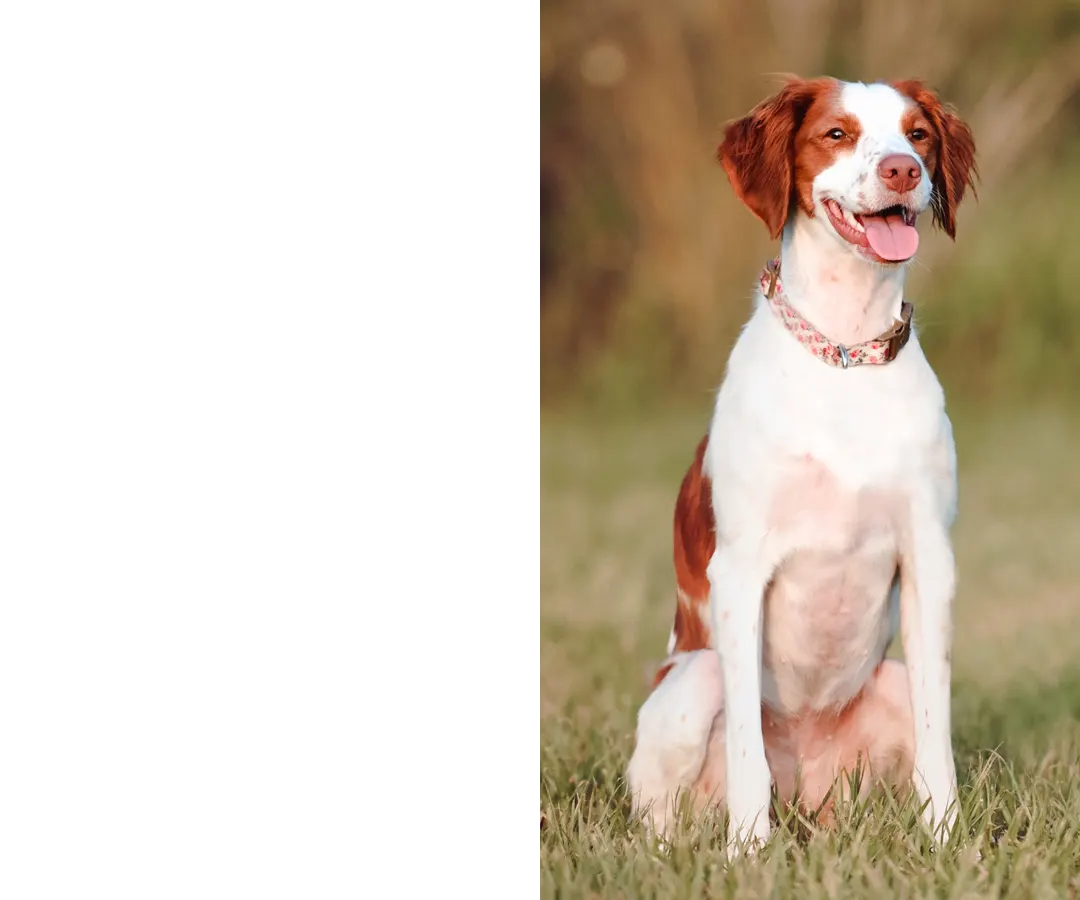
(955, 171)
(758, 151)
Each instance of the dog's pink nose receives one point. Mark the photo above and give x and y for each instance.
(900, 172)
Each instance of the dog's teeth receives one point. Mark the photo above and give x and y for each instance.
(849, 217)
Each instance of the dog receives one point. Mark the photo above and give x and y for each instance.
(815, 519)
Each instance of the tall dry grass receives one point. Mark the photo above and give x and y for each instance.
(646, 258)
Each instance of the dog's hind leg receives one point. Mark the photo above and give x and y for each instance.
(675, 726)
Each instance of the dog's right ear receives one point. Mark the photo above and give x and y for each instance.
(758, 152)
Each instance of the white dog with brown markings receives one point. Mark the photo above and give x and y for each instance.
(815, 518)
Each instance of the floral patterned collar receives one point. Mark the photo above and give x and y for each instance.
(878, 351)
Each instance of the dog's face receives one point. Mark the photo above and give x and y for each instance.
(865, 160)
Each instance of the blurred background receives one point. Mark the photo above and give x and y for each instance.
(647, 266)
(647, 260)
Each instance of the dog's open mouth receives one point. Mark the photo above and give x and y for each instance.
(889, 234)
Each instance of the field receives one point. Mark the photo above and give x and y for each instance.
(607, 493)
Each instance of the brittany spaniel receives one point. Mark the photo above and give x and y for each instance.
(815, 518)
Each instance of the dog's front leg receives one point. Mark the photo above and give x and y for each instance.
(928, 580)
(738, 576)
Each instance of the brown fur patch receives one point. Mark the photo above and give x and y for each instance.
(662, 673)
(758, 150)
(815, 150)
(929, 146)
(695, 541)
(952, 150)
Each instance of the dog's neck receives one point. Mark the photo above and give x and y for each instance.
(849, 300)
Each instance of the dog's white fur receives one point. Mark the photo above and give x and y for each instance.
(825, 482)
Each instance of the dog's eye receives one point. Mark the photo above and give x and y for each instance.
(836, 134)
(917, 134)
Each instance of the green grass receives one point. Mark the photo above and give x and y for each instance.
(607, 494)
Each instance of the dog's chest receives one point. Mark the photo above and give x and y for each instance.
(827, 615)
(825, 464)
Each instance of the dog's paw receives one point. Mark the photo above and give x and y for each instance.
(747, 842)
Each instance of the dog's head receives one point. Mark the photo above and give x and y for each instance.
(865, 159)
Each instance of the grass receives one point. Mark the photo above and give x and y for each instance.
(608, 489)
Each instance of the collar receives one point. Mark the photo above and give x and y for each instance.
(875, 352)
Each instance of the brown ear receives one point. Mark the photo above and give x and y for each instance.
(758, 151)
(955, 171)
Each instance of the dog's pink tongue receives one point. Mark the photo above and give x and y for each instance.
(890, 237)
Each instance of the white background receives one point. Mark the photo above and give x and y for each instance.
(269, 483)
